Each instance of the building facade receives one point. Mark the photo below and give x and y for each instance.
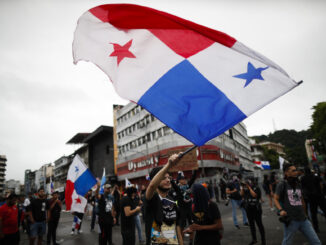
(12, 186)
(3, 164)
(61, 167)
(100, 151)
(29, 181)
(144, 142)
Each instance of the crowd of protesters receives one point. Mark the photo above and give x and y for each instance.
(172, 209)
(35, 214)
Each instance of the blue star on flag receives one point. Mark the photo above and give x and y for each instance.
(76, 169)
(252, 73)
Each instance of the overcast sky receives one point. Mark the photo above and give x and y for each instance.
(45, 99)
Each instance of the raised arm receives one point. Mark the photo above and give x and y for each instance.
(155, 182)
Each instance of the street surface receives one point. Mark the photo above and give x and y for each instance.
(232, 236)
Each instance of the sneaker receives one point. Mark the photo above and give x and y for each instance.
(79, 231)
(237, 226)
(72, 233)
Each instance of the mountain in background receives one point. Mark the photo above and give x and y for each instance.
(293, 141)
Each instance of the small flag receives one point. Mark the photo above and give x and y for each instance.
(103, 180)
(79, 181)
(51, 185)
(147, 177)
(281, 160)
(128, 183)
(258, 164)
(265, 165)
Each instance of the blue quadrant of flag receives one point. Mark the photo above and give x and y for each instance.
(191, 105)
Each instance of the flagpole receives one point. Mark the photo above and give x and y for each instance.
(181, 155)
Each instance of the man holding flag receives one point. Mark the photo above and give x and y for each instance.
(79, 181)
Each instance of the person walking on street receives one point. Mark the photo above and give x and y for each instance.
(222, 184)
(94, 204)
(37, 215)
(289, 201)
(206, 218)
(138, 202)
(116, 194)
(54, 212)
(268, 191)
(273, 181)
(233, 190)
(216, 192)
(128, 210)
(27, 202)
(107, 215)
(9, 232)
(251, 194)
(77, 223)
(162, 215)
(311, 186)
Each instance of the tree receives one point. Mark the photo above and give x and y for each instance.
(293, 141)
(318, 126)
(271, 156)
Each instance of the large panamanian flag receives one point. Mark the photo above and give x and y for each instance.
(196, 80)
(79, 181)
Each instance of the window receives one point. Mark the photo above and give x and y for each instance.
(166, 130)
(159, 132)
(148, 137)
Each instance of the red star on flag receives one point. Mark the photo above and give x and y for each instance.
(78, 200)
(122, 51)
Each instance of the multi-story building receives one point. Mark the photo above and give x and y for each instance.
(257, 153)
(61, 167)
(12, 186)
(43, 176)
(144, 142)
(98, 150)
(29, 181)
(3, 160)
(278, 147)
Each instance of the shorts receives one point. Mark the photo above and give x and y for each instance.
(38, 229)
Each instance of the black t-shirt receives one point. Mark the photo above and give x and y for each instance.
(127, 222)
(207, 237)
(236, 195)
(290, 199)
(266, 187)
(250, 201)
(105, 204)
(38, 208)
(56, 210)
(311, 185)
(162, 218)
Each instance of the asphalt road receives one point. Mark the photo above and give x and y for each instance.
(231, 236)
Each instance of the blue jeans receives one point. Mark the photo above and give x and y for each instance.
(38, 229)
(305, 227)
(138, 227)
(235, 205)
